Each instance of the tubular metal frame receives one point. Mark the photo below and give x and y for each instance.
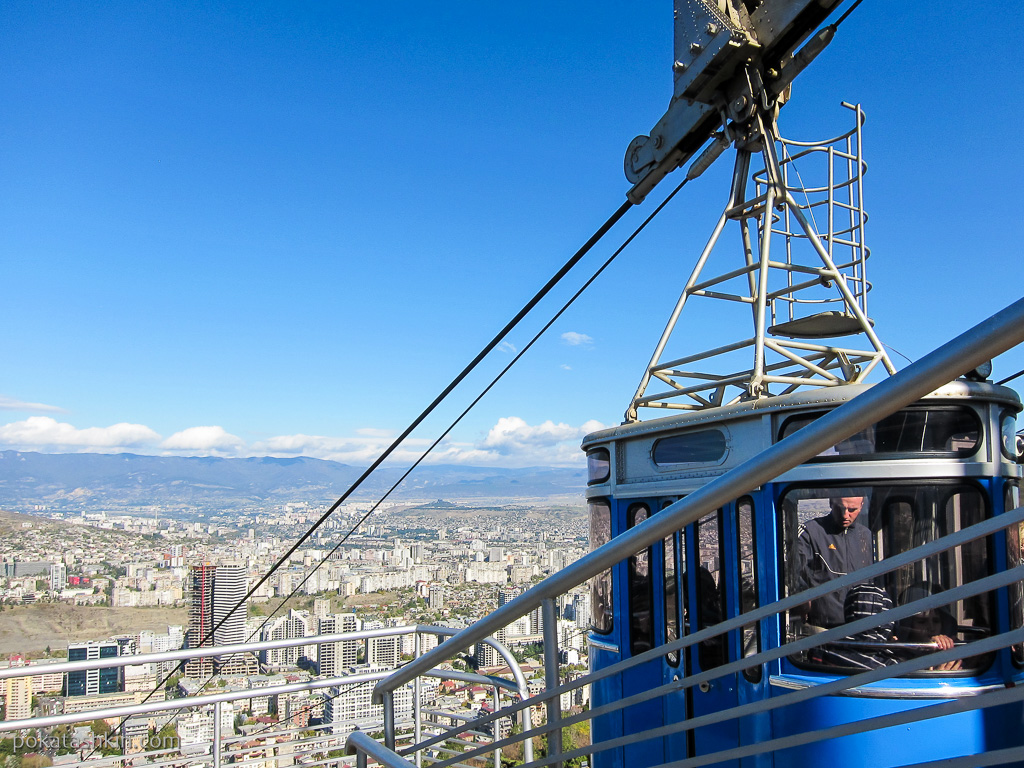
(797, 364)
(516, 686)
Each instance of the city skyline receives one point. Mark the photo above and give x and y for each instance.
(245, 232)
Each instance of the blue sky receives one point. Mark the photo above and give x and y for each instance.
(250, 228)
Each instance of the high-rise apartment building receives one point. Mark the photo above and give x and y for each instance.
(89, 682)
(383, 651)
(216, 616)
(58, 577)
(295, 625)
(349, 707)
(436, 599)
(321, 607)
(17, 692)
(333, 658)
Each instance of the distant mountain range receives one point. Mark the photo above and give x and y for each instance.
(83, 480)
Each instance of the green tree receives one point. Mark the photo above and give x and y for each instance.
(64, 735)
(165, 738)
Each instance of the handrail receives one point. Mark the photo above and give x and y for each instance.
(981, 343)
(361, 745)
(220, 650)
(517, 685)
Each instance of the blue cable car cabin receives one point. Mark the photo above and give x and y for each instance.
(942, 464)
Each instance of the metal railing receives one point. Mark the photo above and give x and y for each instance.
(307, 740)
(980, 344)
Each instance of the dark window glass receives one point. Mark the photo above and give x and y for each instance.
(748, 581)
(675, 609)
(601, 585)
(1014, 557)
(894, 519)
(598, 466)
(1008, 435)
(939, 431)
(641, 599)
(694, 447)
(671, 597)
(710, 592)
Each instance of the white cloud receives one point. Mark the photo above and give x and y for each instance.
(374, 432)
(565, 367)
(511, 442)
(360, 450)
(44, 432)
(574, 339)
(507, 346)
(12, 404)
(212, 440)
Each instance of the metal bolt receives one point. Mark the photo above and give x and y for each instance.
(711, 29)
(679, 66)
(695, 48)
(658, 141)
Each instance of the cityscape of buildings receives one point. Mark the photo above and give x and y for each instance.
(426, 565)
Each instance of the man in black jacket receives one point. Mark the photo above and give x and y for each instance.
(828, 547)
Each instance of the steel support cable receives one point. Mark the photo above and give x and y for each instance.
(529, 306)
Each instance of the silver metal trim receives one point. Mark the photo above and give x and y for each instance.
(791, 683)
(602, 645)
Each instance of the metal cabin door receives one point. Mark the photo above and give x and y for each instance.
(710, 600)
(675, 665)
(642, 617)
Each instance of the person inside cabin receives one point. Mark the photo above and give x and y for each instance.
(867, 649)
(828, 547)
(936, 626)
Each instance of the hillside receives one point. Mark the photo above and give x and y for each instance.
(78, 481)
(29, 628)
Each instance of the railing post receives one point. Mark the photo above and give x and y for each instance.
(216, 734)
(416, 712)
(389, 720)
(496, 727)
(550, 617)
(526, 722)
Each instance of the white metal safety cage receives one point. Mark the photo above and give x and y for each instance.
(798, 269)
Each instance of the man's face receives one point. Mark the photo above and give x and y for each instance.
(845, 511)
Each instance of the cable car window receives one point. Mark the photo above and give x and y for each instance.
(710, 591)
(1014, 557)
(641, 598)
(829, 532)
(704, 446)
(672, 614)
(748, 581)
(1008, 435)
(937, 431)
(601, 606)
(598, 466)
